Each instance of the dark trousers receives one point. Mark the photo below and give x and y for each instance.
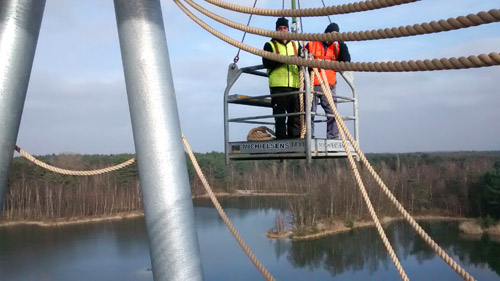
(286, 104)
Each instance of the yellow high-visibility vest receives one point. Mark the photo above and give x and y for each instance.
(284, 75)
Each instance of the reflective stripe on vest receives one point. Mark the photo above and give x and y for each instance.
(317, 49)
(284, 75)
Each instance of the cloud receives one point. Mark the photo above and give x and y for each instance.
(429, 112)
(62, 116)
(76, 101)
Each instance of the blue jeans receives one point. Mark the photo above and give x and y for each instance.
(332, 131)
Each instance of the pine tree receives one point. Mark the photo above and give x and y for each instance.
(491, 191)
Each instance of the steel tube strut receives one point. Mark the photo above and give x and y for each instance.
(20, 22)
(163, 173)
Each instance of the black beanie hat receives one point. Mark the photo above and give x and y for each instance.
(281, 22)
(332, 27)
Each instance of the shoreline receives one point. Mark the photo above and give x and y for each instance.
(131, 214)
(337, 226)
(74, 220)
(468, 226)
(245, 193)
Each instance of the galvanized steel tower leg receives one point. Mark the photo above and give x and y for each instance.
(20, 22)
(168, 207)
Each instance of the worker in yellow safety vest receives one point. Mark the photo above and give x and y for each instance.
(331, 51)
(284, 78)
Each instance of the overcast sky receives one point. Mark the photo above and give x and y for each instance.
(77, 103)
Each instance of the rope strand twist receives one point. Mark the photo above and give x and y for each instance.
(73, 172)
(421, 232)
(223, 215)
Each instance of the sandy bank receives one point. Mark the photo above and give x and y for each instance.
(334, 227)
(471, 227)
(75, 220)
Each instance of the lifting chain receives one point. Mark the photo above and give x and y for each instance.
(237, 57)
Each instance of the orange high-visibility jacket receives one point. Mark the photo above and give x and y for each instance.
(317, 49)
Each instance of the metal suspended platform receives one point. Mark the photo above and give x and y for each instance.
(286, 149)
(308, 148)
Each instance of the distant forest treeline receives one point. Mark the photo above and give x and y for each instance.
(456, 184)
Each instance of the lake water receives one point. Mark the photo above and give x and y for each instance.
(118, 250)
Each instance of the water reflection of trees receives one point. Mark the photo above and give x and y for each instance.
(362, 250)
(47, 248)
(476, 251)
(339, 253)
(238, 208)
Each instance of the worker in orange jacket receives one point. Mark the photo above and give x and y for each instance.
(332, 51)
